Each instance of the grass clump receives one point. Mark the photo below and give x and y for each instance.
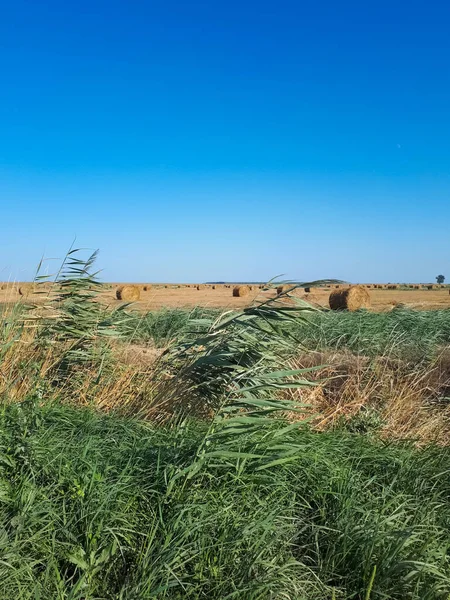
(163, 326)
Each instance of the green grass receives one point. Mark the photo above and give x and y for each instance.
(85, 513)
(401, 333)
(162, 326)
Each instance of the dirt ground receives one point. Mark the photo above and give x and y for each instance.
(171, 295)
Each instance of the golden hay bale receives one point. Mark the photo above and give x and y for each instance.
(430, 287)
(307, 290)
(241, 290)
(26, 288)
(352, 298)
(285, 288)
(200, 286)
(393, 286)
(128, 292)
(146, 288)
(213, 287)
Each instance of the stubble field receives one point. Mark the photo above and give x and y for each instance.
(162, 295)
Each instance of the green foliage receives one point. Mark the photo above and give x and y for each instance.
(408, 334)
(164, 326)
(91, 508)
(236, 356)
(440, 279)
(405, 334)
(74, 317)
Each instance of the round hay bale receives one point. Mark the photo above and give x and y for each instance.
(26, 288)
(241, 290)
(200, 286)
(213, 287)
(430, 287)
(146, 288)
(285, 288)
(307, 290)
(131, 293)
(352, 298)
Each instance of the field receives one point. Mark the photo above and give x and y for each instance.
(197, 445)
(179, 295)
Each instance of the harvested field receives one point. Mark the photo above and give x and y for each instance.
(160, 295)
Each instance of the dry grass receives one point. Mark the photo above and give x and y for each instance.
(380, 394)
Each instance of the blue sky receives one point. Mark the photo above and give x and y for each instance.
(195, 141)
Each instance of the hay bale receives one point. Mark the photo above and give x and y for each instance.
(25, 289)
(131, 293)
(241, 290)
(430, 287)
(200, 287)
(146, 288)
(213, 287)
(285, 288)
(393, 286)
(307, 290)
(352, 298)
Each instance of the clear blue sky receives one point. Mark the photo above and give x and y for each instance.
(194, 141)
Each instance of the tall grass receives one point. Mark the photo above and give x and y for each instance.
(86, 512)
(229, 496)
(406, 334)
(402, 333)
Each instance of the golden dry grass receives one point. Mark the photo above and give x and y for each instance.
(406, 402)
